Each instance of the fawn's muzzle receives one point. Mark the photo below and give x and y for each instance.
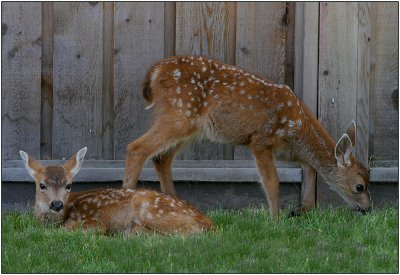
(363, 211)
(56, 206)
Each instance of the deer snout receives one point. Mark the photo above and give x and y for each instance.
(363, 211)
(56, 206)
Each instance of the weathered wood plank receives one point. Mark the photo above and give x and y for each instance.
(338, 66)
(306, 53)
(338, 38)
(180, 174)
(177, 163)
(198, 174)
(169, 28)
(206, 28)
(260, 44)
(108, 81)
(290, 28)
(78, 58)
(20, 79)
(139, 43)
(384, 85)
(46, 125)
(306, 61)
(363, 63)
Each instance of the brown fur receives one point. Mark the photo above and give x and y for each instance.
(111, 210)
(197, 97)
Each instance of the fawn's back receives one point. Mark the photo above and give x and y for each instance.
(222, 102)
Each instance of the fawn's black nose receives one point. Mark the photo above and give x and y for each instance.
(56, 206)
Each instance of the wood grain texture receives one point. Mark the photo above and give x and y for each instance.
(260, 44)
(206, 28)
(306, 53)
(169, 28)
(108, 82)
(289, 20)
(139, 43)
(77, 69)
(338, 66)
(306, 62)
(384, 85)
(46, 125)
(21, 73)
(363, 88)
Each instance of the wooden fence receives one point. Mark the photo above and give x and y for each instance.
(72, 71)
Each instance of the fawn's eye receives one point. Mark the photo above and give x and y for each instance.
(359, 188)
(68, 187)
(42, 186)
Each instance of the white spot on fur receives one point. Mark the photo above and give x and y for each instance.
(283, 119)
(280, 106)
(242, 92)
(188, 105)
(149, 216)
(205, 103)
(192, 99)
(192, 81)
(216, 96)
(149, 106)
(299, 123)
(178, 90)
(180, 103)
(188, 113)
(280, 132)
(161, 211)
(176, 74)
(249, 97)
(291, 123)
(204, 69)
(241, 84)
(289, 103)
(211, 92)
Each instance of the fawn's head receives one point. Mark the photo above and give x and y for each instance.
(53, 185)
(352, 177)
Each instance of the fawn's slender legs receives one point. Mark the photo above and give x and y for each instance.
(307, 190)
(163, 165)
(266, 168)
(162, 137)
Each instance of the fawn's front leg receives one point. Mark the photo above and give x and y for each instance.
(307, 191)
(266, 168)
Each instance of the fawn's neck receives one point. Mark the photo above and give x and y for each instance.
(316, 147)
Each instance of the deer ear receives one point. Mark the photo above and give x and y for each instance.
(343, 150)
(74, 164)
(351, 132)
(32, 166)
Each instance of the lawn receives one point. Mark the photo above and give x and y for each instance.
(245, 241)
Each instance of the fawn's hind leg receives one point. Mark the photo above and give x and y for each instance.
(160, 138)
(163, 166)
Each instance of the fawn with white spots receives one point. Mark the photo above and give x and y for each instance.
(111, 210)
(196, 97)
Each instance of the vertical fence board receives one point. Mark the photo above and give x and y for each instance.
(260, 44)
(363, 63)
(290, 28)
(77, 69)
(169, 28)
(306, 61)
(20, 81)
(206, 28)
(46, 125)
(338, 76)
(306, 53)
(139, 43)
(108, 81)
(384, 85)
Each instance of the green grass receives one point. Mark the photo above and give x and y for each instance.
(246, 241)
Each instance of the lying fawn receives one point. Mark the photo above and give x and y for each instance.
(200, 97)
(111, 210)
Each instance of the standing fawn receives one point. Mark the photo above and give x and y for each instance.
(200, 97)
(110, 210)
